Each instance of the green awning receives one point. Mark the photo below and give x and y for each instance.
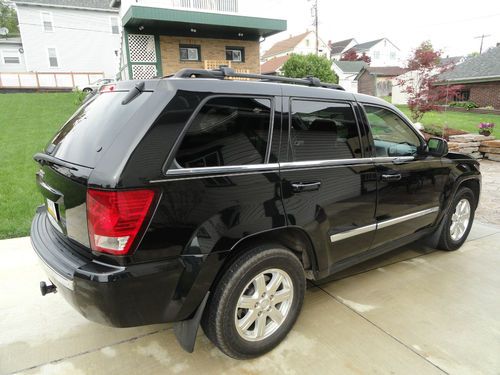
(199, 24)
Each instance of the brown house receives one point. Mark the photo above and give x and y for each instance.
(480, 78)
(377, 81)
(160, 41)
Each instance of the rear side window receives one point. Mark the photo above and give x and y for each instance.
(323, 131)
(227, 131)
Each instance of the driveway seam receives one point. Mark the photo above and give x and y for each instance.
(381, 329)
(90, 351)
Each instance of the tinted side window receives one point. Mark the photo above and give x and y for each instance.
(227, 131)
(323, 131)
(391, 135)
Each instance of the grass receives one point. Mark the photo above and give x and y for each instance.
(466, 121)
(27, 123)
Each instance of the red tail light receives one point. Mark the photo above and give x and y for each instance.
(116, 217)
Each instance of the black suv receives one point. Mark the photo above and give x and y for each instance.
(204, 198)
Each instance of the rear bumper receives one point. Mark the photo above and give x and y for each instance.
(135, 295)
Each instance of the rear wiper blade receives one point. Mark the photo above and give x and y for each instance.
(133, 93)
(42, 159)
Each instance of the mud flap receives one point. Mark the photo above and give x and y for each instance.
(186, 330)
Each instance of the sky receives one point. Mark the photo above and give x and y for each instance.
(450, 25)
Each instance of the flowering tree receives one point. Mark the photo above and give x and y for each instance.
(351, 55)
(420, 83)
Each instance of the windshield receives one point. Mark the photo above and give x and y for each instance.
(92, 129)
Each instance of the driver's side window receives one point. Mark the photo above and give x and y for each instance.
(391, 135)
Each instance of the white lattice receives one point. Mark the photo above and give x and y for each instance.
(142, 48)
(143, 71)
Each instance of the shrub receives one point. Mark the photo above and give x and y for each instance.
(301, 66)
(466, 105)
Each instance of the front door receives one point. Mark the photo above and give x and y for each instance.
(410, 185)
(329, 189)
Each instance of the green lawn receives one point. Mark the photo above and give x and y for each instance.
(466, 121)
(27, 122)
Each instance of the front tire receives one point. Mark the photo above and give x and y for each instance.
(459, 220)
(256, 302)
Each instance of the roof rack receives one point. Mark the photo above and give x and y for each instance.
(225, 72)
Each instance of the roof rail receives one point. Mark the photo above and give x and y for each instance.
(225, 72)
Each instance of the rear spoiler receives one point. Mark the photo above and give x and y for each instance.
(44, 159)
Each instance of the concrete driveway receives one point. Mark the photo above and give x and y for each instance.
(414, 311)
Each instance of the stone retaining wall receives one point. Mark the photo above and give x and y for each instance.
(469, 144)
(490, 149)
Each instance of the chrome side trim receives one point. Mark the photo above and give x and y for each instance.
(414, 215)
(237, 170)
(382, 224)
(353, 232)
(224, 169)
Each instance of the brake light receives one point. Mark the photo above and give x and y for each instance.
(107, 88)
(116, 217)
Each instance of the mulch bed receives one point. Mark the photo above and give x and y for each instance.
(446, 134)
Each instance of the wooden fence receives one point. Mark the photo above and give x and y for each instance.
(47, 80)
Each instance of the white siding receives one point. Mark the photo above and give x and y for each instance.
(384, 53)
(82, 38)
(308, 45)
(11, 49)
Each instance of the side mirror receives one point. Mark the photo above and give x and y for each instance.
(437, 147)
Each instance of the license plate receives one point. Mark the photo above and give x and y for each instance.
(52, 209)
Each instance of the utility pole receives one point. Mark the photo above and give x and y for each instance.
(482, 38)
(314, 12)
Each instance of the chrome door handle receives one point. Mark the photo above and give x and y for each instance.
(299, 187)
(391, 177)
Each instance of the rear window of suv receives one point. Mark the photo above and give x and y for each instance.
(227, 131)
(92, 129)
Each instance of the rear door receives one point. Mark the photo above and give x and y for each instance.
(329, 187)
(410, 183)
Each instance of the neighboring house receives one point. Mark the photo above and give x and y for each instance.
(377, 80)
(452, 60)
(274, 65)
(480, 78)
(382, 52)
(161, 37)
(337, 49)
(347, 72)
(11, 55)
(77, 36)
(301, 44)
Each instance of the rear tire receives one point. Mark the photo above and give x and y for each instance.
(458, 220)
(256, 302)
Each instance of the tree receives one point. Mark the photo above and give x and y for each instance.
(352, 55)
(420, 83)
(8, 18)
(301, 66)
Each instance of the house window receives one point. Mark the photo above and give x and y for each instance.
(53, 62)
(462, 96)
(47, 23)
(376, 54)
(11, 57)
(393, 55)
(189, 53)
(307, 42)
(236, 54)
(115, 29)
